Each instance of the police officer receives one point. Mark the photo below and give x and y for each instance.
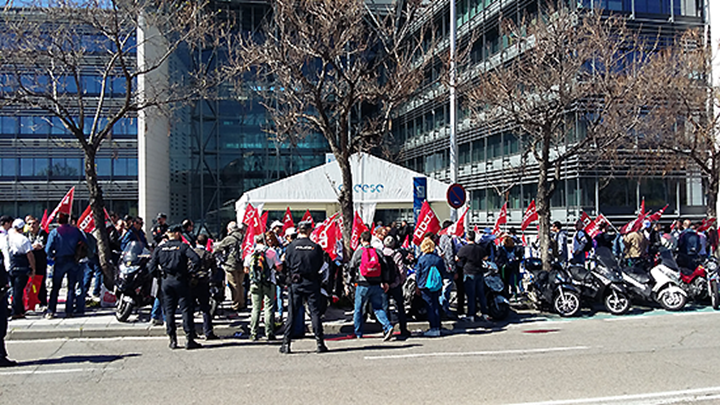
(4, 287)
(170, 261)
(304, 259)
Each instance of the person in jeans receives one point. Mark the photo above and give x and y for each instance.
(470, 259)
(22, 265)
(262, 290)
(61, 247)
(425, 263)
(370, 289)
(397, 280)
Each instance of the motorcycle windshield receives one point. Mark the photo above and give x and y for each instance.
(667, 258)
(133, 253)
(606, 258)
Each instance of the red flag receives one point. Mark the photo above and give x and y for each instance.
(252, 230)
(633, 226)
(642, 207)
(287, 221)
(44, 222)
(502, 219)
(657, 215)
(263, 221)
(427, 222)
(250, 211)
(593, 228)
(706, 224)
(456, 229)
(358, 228)
(406, 244)
(308, 217)
(325, 235)
(209, 245)
(476, 230)
(86, 222)
(530, 216)
(65, 207)
(585, 219)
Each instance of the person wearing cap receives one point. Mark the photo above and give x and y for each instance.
(61, 247)
(5, 223)
(276, 228)
(22, 265)
(159, 229)
(303, 261)
(231, 247)
(170, 262)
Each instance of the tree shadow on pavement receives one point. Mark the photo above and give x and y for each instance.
(101, 358)
(371, 347)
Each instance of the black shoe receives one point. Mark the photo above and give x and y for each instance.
(285, 348)
(5, 362)
(321, 348)
(173, 342)
(192, 344)
(211, 336)
(387, 335)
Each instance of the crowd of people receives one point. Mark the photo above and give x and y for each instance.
(287, 263)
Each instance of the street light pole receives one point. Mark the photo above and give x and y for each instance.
(453, 103)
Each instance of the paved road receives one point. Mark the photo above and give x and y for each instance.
(666, 358)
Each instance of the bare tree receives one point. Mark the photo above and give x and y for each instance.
(337, 68)
(49, 50)
(680, 127)
(566, 67)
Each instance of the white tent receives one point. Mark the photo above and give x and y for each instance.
(379, 184)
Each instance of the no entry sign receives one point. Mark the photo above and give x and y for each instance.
(456, 196)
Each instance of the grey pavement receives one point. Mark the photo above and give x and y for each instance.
(648, 358)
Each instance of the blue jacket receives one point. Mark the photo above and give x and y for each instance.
(422, 268)
(63, 241)
(133, 235)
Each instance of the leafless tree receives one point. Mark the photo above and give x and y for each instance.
(563, 65)
(49, 49)
(337, 68)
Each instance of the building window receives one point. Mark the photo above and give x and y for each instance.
(494, 147)
(464, 153)
(478, 200)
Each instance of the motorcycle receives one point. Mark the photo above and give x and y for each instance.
(602, 282)
(497, 304)
(551, 289)
(134, 283)
(712, 269)
(694, 282)
(661, 284)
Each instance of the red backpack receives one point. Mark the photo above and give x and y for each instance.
(370, 263)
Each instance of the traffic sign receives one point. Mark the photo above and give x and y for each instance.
(456, 196)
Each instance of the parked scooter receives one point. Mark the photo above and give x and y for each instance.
(661, 284)
(134, 283)
(497, 304)
(602, 282)
(712, 270)
(694, 282)
(550, 290)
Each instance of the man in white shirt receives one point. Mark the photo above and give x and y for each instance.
(22, 265)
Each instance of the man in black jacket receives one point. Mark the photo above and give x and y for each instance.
(4, 287)
(470, 259)
(170, 261)
(303, 261)
(370, 288)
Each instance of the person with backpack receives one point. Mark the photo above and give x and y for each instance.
(200, 285)
(398, 274)
(303, 261)
(429, 273)
(260, 266)
(581, 243)
(369, 274)
(229, 254)
(688, 247)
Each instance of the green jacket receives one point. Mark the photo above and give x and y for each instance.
(233, 244)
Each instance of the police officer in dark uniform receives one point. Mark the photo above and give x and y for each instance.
(303, 260)
(170, 261)
(4, 287)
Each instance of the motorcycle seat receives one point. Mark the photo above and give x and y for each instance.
(578, 272)
(687, 272)
(639, 275)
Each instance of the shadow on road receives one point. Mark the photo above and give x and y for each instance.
(371, 347)
(79, 359)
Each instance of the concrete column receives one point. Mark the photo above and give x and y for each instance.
(153, 129)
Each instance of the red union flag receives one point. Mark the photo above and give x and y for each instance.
(502, 219)
(530, 216)
(308, 217)
(458, 228)
(657, 215)
(86, 222)
(253, 228)
(586, 220)
(427, 222)
(287, 221)
(358, 228)
(594, 227)
(249, 213)
(325, 235)
(263, 221)
(64, 207)
(633, 226)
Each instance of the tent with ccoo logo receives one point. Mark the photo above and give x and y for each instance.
(378, 184)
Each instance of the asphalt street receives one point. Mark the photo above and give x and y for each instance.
(647, 359)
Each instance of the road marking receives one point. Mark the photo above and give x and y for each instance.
(97, 339)
(668, 397)
(483, 353)
(57, 371)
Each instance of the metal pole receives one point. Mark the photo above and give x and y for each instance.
(453, 104)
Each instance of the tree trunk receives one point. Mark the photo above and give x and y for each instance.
(346, 202)
(542, 202)
(97, 205)
(712, 188)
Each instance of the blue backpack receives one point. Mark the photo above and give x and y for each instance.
(434, 280)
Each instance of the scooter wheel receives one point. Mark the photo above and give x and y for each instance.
(617, 303)
(123, 309)
(714, 295)
(672, 300)
(567, 303)
(498, 311)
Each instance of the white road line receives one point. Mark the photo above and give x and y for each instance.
(483, 353)
(97, 339)
(57, 371)
(668, 397)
